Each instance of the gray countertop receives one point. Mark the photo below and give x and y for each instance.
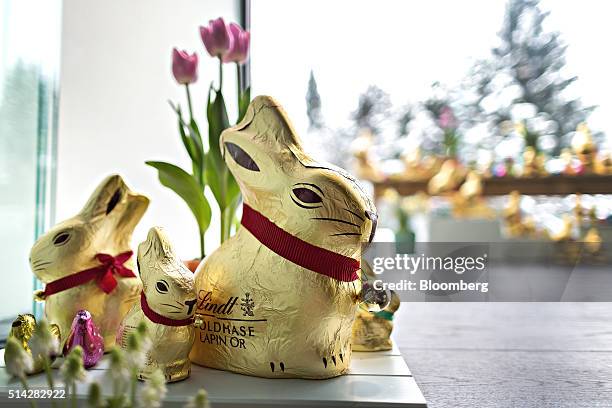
(509, 354)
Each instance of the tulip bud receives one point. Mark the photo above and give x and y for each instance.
(239, 49)
(184, 67)
(216, 37)
(447, 119)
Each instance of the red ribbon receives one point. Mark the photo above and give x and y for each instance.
(157, 318)
(104, 275)
(302, 253)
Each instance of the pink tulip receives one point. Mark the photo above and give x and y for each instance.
(184, 67)
(239, 48)
(216, 37)
(447, 119)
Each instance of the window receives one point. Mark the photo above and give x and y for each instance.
(29, 50)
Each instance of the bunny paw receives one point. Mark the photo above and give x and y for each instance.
(277, 367)
(333, 360)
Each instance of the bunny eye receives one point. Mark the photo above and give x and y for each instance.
(161, 286)
(61, 238)
(241, 157)
(306, 197)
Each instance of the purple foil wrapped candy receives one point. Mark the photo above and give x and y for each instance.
(85, 334)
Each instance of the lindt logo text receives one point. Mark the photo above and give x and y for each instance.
(206, 303)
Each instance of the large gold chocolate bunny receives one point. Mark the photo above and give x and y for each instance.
(278, 299)
(166, 306)
(85, 261)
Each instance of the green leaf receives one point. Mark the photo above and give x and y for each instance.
(185, 185)
(233, 190)
(197, 138)
(243, 103)
(213, 180)
(217, 123)
(187, 142)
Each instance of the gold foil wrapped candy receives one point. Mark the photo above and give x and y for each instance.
(372, 327)
(449, 177)
(22, 329)
(85, 261)
(372, 330)
(166, 306)
(278, 299)
(584, 147)
(468, 202)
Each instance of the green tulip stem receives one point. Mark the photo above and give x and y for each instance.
(202, 250)
(73, 397)
(189, 103)
(220, 73)
(134, 379)
(223, 221)
(24, 384)
(239, 87)
(47, 367)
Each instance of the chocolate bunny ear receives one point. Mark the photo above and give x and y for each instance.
(158, 244)
(113, 200)
(110, 193)
(157, 252)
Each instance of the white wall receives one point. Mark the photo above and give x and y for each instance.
(115, 84)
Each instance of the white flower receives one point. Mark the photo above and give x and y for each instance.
(117, 366)
(141, 329)
(94, 398)
(72, 369)
(154, 390)
(18, 361)
(136, 354)
(200, 400)
(43, 342)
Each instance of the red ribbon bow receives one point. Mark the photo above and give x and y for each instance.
(111, 266)
(104, 275)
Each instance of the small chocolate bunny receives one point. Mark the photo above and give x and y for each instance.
(85, 261)
(167, 306)
(278, 299)
(372, 330)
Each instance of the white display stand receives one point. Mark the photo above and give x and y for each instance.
(376, 379)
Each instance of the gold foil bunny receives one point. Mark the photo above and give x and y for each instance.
(584, 147)
(166, 306)
(533, 163)
(278, 299)
(85, 261)
(372, 328)
(468, 201)
(22, 329)
(516, 225)
(365, 167)
(418, 168)
(447, 179)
